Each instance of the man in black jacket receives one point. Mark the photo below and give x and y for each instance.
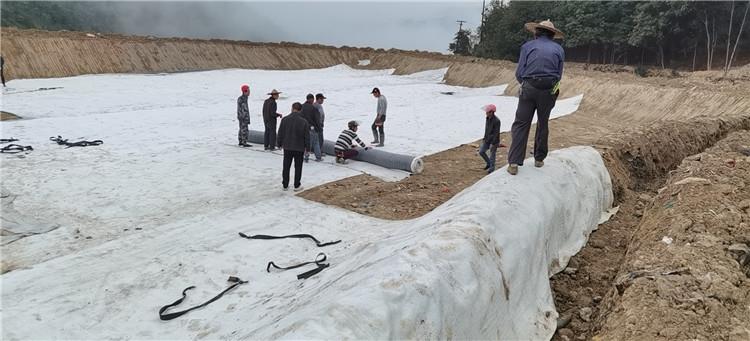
(294, 137)
(269, 120)
(312, 115)
(491, 137)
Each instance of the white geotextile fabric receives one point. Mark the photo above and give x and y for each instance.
(477, 267)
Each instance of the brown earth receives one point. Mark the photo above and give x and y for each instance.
(686, 274)
(639, 162)
(644, 127)
(5, 116)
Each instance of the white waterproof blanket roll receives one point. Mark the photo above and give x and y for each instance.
(409, 163)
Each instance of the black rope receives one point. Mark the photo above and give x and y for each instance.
(8, 140)
(83, 143)
(319, 261)
(169, 316)
(15, 148)
(263, 236)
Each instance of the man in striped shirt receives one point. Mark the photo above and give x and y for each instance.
(345, 148)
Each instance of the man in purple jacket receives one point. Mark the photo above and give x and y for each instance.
(539, 71)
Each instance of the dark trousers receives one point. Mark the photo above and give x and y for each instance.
(531, 99)
(2, 75)
(377, 130)
(269, 137)
(348, 154)
(290, 155)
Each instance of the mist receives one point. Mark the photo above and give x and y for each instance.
(427, 26)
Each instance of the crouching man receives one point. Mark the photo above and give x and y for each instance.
(345, 148)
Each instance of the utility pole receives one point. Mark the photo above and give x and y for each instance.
(460, 24)
(481, 26)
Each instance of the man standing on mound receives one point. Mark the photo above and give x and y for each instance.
(243, 116)
(294, 137)
(377, 126)
(491, 138)
(539, 71)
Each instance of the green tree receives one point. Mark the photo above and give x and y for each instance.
(461, 44)
(54, 15)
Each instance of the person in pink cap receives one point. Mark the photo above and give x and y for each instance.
(491, 137)
(243, 116)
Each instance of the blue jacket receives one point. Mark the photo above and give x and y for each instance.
(541, 58)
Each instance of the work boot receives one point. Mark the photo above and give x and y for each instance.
(513, 169)
(297, 189)
(538, 164)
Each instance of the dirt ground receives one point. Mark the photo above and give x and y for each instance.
(686, 274)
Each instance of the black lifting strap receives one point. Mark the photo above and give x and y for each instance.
(8, 140)
(263, 236)
(64, 142)
(167, 317)
(15, 148)
(319, 259)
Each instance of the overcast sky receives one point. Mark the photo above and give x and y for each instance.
(422, 25)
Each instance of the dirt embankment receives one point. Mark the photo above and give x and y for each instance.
(686, 274)
(639, 161)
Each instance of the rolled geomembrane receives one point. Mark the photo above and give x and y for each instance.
(381, 158)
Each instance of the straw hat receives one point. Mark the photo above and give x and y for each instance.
(273, 92)
(547, 25)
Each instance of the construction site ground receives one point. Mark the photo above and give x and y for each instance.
(668, 265)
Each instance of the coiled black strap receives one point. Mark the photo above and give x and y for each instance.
(169, 316)
(319, 261)
(84, 143)
(15, 148)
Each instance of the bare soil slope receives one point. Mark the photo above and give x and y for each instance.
(686, 274)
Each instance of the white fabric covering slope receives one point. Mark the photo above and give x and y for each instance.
(476, 267)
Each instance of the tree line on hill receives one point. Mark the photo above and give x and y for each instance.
(669, 34)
